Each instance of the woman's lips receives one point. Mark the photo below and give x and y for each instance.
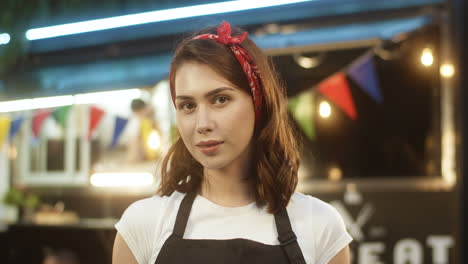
(210, 149)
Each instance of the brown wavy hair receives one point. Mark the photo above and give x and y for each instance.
(276, 156)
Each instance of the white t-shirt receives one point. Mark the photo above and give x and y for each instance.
(147, 223)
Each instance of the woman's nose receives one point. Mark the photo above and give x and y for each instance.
(204, 122)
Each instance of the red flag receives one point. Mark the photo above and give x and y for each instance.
(38, 119)
(336, 89)
(95, 116)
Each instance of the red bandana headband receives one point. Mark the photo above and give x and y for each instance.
(248, 65)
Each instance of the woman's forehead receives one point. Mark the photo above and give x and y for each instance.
(193, 79)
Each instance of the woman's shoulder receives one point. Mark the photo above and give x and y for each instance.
(152, 208)
(155, 203)
(319, 226)
(310, 202)
(309, 206)
(144, 222)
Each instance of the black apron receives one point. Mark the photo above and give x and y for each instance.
(177, 250)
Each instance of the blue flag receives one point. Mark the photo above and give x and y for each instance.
(120, 124)
(362, 71)
(14, 128)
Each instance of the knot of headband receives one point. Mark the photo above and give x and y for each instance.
(248, 65)
(224, 35)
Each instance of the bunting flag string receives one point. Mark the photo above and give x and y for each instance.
(362, 71)
(302, 109)
(5, 123)
(95, 116)
(10, 127)
(337, 90)
(119, 126)
(38, 119)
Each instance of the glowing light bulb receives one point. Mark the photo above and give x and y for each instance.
(325, 109)
(335, 173)
(447, 70)
(426, 57)
(4, 38)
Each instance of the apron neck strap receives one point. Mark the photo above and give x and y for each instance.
(287, 238)
(183, 214)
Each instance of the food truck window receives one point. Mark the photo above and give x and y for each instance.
(368, 112)
(49, 146)
(131, 137)
(67, 145)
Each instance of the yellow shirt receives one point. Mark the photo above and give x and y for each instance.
(150, 139)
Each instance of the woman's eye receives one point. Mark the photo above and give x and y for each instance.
(221, 99)
(186, 107)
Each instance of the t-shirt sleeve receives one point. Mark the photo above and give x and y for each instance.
(334, 236)
(137, 229)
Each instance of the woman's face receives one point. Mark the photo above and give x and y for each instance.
(214, 117)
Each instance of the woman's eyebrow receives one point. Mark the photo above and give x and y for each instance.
(208, 94)
(218, 90)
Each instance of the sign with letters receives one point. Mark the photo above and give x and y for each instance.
(398, 227)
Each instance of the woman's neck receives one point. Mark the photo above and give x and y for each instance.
(228, 187)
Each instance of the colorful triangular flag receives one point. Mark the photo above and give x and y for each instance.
(119, 126)
(336, 89)
(60, 115)
(14, 128)
(5, 123)
(95, 116)
(362, 71)
(302, 110)
(38, 120)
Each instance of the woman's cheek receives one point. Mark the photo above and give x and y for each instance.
(183, 127)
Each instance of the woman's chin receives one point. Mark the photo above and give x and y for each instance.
(212, 163)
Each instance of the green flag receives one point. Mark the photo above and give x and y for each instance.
(302, 110)
(60, 115)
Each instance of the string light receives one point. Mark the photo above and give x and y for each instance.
(447, 70)
(427, 58)
(307, 62)
(325, 109)
(4, 38)
(335, 173)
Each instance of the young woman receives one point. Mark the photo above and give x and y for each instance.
(227, 193)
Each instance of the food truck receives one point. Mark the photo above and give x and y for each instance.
(370, 88)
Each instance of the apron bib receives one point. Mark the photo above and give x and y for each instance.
(177, 250)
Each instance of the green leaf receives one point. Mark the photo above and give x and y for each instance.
(13, 197)
(31, 201)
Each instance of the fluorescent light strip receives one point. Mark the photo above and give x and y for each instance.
(46, 102)
(4, 38)
(153, 16)
(121, 179)
(37, 103)
(56, 101)
(94, 98)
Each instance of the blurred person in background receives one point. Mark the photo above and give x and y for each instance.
(144, 145)
(227, 193)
